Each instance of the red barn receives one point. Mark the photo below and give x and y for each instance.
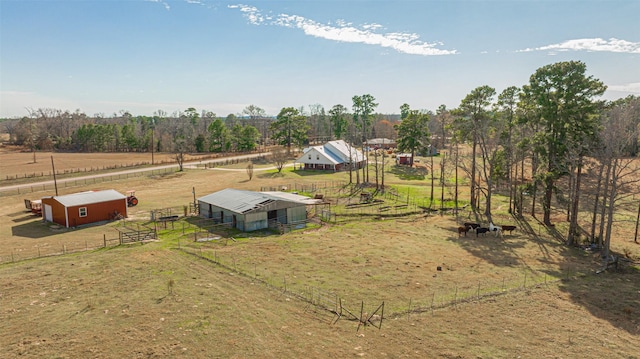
(403, 158)
(76, 209)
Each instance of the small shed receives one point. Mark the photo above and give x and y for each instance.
(81, 208)
(403, 158)
(250, 211)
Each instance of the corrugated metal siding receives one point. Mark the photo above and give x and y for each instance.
(58, 213)
(237, 201)
(96, 212)
(296, 214)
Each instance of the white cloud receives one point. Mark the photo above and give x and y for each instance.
(164, 3)
(343, 31)
(592, 45)
(633, 87)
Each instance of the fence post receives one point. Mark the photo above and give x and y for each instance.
(433, 297)
(104, 239)
(455, 299)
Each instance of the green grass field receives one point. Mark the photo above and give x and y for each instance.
(268, 295)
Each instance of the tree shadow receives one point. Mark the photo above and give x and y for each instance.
(611, 296)
(275, 174)
(498, 251)
(409, 173)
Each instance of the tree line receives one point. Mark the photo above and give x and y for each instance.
(528, 138)
(553, 129)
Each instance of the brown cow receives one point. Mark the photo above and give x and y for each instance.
(464, 230)
(509, 229)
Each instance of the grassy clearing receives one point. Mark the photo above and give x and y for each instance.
(249, 297)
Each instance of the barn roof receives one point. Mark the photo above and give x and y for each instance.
(240, 201)
(89, 197)
(334, 152)
(380, 141)
(292, 197)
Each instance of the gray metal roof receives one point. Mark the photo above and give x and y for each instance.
(89, 197)
(240, 201)
(237, 200)
(335, 152)
(291, 197)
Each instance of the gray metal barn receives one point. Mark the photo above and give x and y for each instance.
(250, 211)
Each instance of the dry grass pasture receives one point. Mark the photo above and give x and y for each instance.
(523, 295)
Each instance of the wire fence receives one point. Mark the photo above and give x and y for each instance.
(51, 250)
(81, 181)
(333, 307)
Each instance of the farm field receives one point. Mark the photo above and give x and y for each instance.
(523, 295)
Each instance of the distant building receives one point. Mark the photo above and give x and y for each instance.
(403, 158)
(333, 155)
(81, 208)
(250, 211)
(383, 143)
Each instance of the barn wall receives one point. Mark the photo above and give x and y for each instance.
(296, 214)
(97, 212)
(255, 221)
(58, 211)
(287, 212)
(219, 215)
(205, 209)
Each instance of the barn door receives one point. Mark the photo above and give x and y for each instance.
(48, 213)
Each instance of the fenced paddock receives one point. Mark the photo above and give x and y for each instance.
(329, 306)
(82, 181)
(60, 248)
(131, 235)
(344, 202)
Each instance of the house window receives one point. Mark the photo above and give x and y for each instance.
(318, 157)
(83, 211)
(309, 156)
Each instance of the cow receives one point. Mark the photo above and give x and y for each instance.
(481, 230)
(472, 225)
(496, 229)
(464, 230)
(507, 228)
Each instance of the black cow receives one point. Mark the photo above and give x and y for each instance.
(472, 225)
(481, 230)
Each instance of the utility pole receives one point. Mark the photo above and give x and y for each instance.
(55, 182)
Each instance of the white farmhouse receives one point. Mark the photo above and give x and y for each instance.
(333, 156)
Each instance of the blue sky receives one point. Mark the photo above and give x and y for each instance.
(106, 56)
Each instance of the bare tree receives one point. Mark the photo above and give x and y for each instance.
(619, 132)
(250, 170)
(180, 149)
(279, 157)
